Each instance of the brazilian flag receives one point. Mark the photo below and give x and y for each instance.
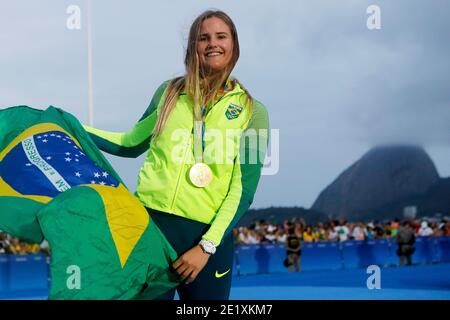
(55, 184)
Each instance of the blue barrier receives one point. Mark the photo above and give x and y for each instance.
(259, 258)
(426, 251)
(235, 269)
(28, 273)
(321, 256)
(4, 273)
(268, 258)
(361, 254)
(276, 254)
(443, 249)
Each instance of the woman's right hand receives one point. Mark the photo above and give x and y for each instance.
(189, 265)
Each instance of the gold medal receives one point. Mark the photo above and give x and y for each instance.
(200, 175)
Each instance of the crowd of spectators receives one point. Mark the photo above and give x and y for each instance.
(267, 232)
(338, 230)
(12, 245)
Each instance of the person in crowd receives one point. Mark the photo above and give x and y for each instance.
(32, 248)
(260, 225)
(4, 243)
(425, 230)
(394, 226)
(253, 237)
(281, 237)
(332, 234)
(245, 236)
(315, 231)
(308, 235)
(299, 228)
(270, 234)
(369, 232)
(342, 231)
(264, 237)
(358, 232)
(45, 248)
(293, 250)
(405, 240)
(235, 236)
(378, 230)
(321, 232)
(286, 223)
(17, 247)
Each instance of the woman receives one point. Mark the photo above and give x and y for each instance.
(194, 195)
(308, 235)
(293, 250)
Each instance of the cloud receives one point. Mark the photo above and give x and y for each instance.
(332, 87)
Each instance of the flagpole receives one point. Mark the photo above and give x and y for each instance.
(89, 49)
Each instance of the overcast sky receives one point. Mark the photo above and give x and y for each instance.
(332, 87)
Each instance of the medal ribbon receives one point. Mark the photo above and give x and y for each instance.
(199, 137)
(199, 130)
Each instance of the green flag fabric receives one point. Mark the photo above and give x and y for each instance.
(56, 185)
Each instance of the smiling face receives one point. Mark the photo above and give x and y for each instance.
(214, 45)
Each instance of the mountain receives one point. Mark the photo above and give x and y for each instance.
(376, 187)
(435, 200)
(279, 214)
(381, 182)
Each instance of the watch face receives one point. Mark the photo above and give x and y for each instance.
(208, 247)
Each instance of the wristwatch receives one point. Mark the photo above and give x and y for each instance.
(207, 246)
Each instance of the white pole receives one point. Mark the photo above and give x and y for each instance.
(89, 49)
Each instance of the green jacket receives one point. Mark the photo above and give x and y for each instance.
(235, 160)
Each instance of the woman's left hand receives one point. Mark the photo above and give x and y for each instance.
(191, 263)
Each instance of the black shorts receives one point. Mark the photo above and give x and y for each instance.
(214, 281)
(405, 250)
(288, 253)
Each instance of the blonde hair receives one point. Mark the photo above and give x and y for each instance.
(200, 89)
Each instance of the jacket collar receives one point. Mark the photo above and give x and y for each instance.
(231, 87)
